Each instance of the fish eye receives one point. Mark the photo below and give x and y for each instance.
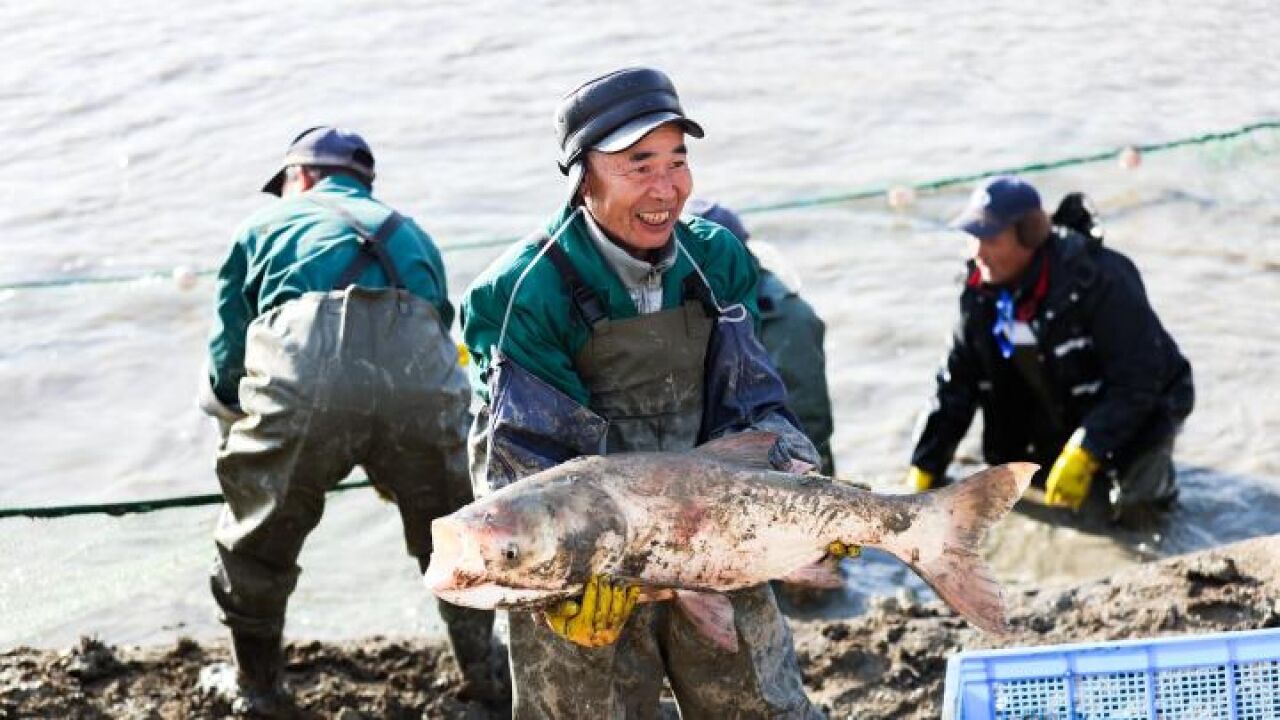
(510, 551)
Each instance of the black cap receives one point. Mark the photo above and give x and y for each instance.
(638, 98)
(326, 146)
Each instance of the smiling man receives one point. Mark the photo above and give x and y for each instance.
(621, 328)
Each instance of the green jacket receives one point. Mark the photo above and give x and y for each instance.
(793, 334)
(295, 246)
(543, 336)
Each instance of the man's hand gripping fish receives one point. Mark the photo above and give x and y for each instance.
(700, 523)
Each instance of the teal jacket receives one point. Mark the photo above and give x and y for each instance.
(295, 246)
(543, 335)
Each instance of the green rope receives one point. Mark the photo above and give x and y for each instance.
(143, 506)
(869, 193)
(138, 506)
(1036, 167)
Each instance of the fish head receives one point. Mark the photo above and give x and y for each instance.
(526, 545)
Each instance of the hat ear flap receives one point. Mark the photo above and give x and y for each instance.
(1033, 228)
(577, 182)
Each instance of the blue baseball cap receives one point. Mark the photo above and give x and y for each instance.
(327, 146)
(720, 215)
(1001, 202)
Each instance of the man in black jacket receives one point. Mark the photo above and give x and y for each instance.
(1059, 346)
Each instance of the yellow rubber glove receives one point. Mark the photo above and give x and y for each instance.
(597, 619)
(464, 355)
(919, 480)
(1072, 474)
(841, 550)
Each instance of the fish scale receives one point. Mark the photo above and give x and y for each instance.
(711, 520)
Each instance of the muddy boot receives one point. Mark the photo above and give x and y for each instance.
(260, 664)
(1142, 499)
(252, 687)
(471, 640)
(481, 684)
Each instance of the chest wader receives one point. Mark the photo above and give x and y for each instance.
(645, 375)
(352, 376)
(1027, 361)
(1044, 422)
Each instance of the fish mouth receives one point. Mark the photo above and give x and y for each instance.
(456, 559)
(457, 573)
(491, 595)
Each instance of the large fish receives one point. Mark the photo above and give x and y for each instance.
(714, 519)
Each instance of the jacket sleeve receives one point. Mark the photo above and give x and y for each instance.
(233, 312)
(744, 391)
(527, 421)
(943, 424)
(1135, 357)
(814, 403)
(794, 338)
(438, 295)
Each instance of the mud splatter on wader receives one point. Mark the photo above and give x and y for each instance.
(646, 377)
(333, 380)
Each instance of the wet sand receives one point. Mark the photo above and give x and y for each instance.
(888, 663)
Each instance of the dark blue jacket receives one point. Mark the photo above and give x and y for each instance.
(1106, 364)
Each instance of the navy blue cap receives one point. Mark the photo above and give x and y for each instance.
(327, 146)
(720, 215)
(1001, 202)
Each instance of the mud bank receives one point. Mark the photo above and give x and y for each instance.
(887, 664)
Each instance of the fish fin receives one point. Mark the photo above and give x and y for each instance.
(823, 574)
(750, 449)
(956, 570)
(800, 467)
(712, 615)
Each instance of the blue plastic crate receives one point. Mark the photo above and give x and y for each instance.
(1224, 676)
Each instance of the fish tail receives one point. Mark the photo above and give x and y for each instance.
(944, 542)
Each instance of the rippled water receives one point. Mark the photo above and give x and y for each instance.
(138, 133)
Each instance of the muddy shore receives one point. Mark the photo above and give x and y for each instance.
(889, 663)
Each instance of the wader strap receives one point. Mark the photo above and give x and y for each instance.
(695, 289)
(585, 300)
(372, 247)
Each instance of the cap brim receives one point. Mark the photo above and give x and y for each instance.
(275, 185)
(979, 226)
(631, 133)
